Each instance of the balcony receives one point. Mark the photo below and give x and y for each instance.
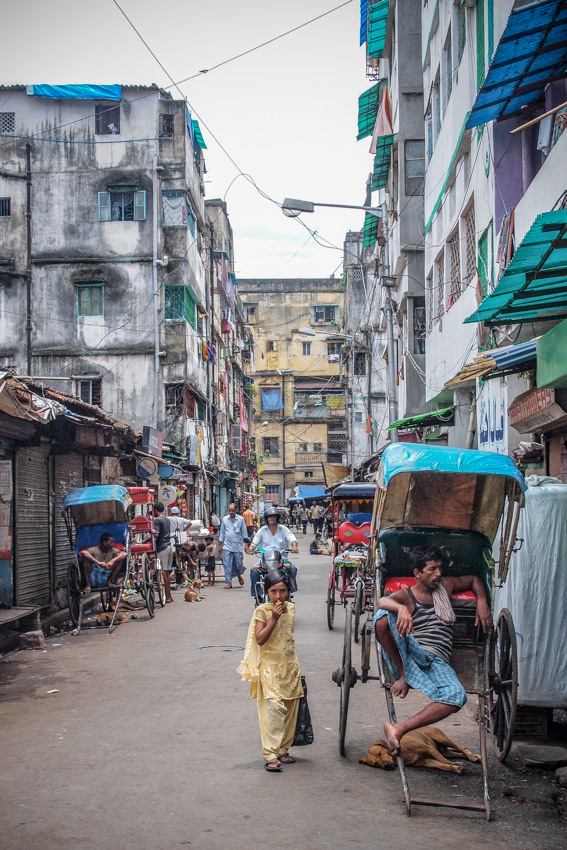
(309, 457)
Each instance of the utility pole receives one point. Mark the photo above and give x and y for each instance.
(352, 411)
(28, 261)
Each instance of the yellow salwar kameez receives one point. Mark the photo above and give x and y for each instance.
(275, 680)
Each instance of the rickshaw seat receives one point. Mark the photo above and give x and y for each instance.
(403, 582)
(351, 533)
(89, 535)
(359, 517)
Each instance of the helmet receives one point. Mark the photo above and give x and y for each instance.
(271, 512)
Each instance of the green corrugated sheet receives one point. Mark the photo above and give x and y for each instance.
(424, 419)
(368, 104)
(377, 20)
(370, 230)
(198, 134)
(382, 161)
(533, 288)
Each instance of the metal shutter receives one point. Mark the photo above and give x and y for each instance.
(32, 549)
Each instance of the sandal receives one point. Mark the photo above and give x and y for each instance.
(273, 766)
(287, 759)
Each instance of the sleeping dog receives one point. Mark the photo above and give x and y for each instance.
(421, 748)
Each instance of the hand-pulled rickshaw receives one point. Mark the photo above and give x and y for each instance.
(349, 578)
(459, 501)
(89, 512)
(142, 546)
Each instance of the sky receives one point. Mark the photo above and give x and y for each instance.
(284, 114)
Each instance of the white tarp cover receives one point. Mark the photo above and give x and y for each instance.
(536, 594)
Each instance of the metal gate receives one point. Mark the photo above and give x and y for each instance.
(32, 525)
(68, 475)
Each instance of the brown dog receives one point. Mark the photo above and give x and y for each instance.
(193, 593)
(420, 748)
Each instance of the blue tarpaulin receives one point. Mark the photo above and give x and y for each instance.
(272, 400)
(311, 491)
(96, 493)
(83, 92)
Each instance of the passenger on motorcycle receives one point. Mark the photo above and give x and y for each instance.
(273, 536)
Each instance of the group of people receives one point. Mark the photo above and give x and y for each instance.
(317, 514)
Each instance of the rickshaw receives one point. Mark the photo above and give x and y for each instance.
(459, 501)
(349, 578)
(142, 545)
(88, 512)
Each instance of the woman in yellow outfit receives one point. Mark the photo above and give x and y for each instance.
(271, 666)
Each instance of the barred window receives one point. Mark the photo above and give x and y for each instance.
(453, 248)
(5, 206)
(107, 119)
(469, 235)
(7, 122)
(439, 287)
(419, 325)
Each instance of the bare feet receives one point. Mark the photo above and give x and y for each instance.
(87, 590)
(392, 738)
(400, 688)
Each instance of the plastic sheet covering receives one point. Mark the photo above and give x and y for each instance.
(536, 595)
(84, 92)
(413, 457)
(97, 493)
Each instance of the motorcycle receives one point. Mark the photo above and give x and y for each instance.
(270, 559)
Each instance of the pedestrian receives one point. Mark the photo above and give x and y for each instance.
(270, 665)
(232, 537)
(248, 518)
(316, 517)
(215, 522)
(164, 549)
(304, 518)
(202, 559)
(211, 563)
(317, 546)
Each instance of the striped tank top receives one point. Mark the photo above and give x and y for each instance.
(431, 634)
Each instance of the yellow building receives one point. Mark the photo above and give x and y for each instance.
(299, 398)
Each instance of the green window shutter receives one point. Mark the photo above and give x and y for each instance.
(480, 63)
(190, 310)
(173, 302)
(482, 262)
(368, 104)
(490, 28)
(370, 233)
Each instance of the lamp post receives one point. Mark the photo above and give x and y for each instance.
(292, 207)
(351, 339)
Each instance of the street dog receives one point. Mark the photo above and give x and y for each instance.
(193, 593)
(105, 618)
(425, 747)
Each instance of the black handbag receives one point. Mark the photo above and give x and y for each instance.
(303, 727)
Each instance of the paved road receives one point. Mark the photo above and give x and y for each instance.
(148, 740)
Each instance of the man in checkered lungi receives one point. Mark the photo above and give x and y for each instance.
(415, 629)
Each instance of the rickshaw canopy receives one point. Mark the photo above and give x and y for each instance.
(445, 488)
(96, 505)
(355, 490)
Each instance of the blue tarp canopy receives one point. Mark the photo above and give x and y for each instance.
(311, 491)
(83, 92)
(97, 493)
(530, 54)
(355, 490)
(272, 399)
(416, 457)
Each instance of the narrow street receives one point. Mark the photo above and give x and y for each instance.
(147, 739)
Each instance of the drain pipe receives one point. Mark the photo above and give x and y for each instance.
(28, 261)
(155, 290)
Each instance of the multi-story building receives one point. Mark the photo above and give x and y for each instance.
(299, 390)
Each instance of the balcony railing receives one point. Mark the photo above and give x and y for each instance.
(309, 457)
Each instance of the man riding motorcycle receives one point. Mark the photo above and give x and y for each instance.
(273, 536)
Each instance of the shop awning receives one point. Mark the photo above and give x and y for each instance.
(533, 288)
(507, 360)
(368, 104)
(435, 417)
(377, 20)
(382, 161)
(530, 54)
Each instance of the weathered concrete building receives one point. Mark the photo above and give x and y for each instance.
(299, 392)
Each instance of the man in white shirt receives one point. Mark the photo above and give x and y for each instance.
(273, 536)
(233, 535)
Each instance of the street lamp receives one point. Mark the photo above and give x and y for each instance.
(351, 339)
(292, 207)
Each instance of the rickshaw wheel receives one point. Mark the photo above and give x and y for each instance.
(331, 607)
(107, 597)
(367, 632)
(148, 587)
(74, 591)
(160, 587)
(502, 671)
(358, 602)
(348, 677)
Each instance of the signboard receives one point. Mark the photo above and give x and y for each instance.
(535, 411)
(167, 494)
(146, 467)
(152, 441)
(491, 411)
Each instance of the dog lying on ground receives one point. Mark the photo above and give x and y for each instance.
(193, 593)
(425, 747)
(105, 618)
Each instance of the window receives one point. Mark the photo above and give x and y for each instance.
(107, 119)
(89, 390)
(439, 287)
(453, 250)
(447, 69)
(271, 345)
(360, 363)
(90, 299)
(174, 398)
(303, 447)
(415, 167)
(7, 122)
(306, 351)
(5, 206)
(308, 474)
(317, 447)
(128, 204)
(235, 438)
(324, 314)
(175, 211)
(334, 352)
(469, 235)
(271, 446)
(461, 32)
(272, 493)
(419, 325)
(166, 126)
(436, 94)
(178, 304)
(358, 416)
(336, 443)
(250, 312)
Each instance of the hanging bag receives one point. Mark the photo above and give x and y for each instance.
(303, 728)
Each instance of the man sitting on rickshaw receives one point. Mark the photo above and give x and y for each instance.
(415, 629)
(101, 564)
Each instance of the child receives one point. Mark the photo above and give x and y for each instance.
(210, 568)
(202, 559)
(271, 666)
